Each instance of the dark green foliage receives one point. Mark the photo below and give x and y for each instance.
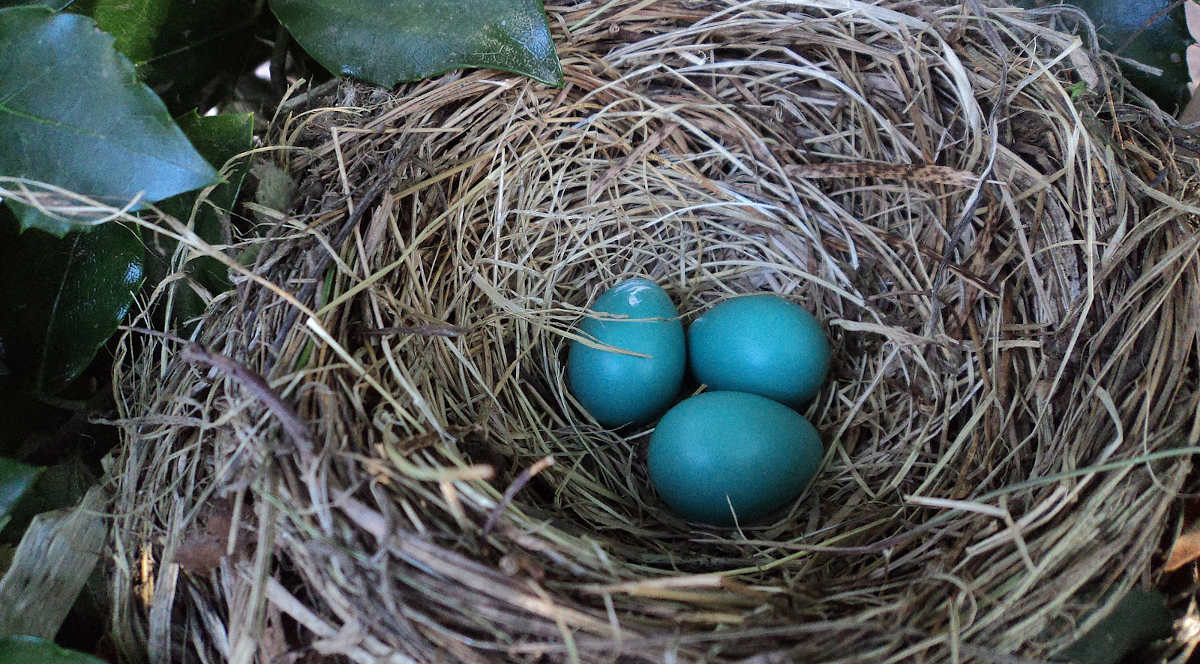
(1139, 618)
(188, 51)
(1151, 32)
(87, 125)
(218, 138)
(32, 650)
(62, 298)
(56, 487)
(1160, 44)
(402, 41)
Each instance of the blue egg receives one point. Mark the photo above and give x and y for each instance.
(762, 344)
(617, 388)
(724, 453)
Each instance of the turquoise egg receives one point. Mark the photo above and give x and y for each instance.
(616, 388)
(762, 344)
(723, 450)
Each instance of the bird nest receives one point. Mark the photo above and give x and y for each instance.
(370, 450)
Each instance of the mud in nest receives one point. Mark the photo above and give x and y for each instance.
(987, 224)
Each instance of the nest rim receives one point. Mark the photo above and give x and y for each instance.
(572, 559)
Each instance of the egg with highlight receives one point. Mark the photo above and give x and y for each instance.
(633, 367)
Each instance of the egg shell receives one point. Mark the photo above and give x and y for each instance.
(762, 344)
(719, 450)
(619, 389)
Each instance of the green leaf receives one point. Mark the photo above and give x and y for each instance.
(73, 114)
(32, 650)
(183, 49)
(1139, 618)
(132, 23)
(15, 480)
(59, 486)
(62, 298)
(218, 138)
(405, 40)
(1126, 28)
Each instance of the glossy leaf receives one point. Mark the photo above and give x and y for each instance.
(32, 650)
(73, 114)
(218, 138)
(63, 298)
(386, 42)
(183, 49)
(15, 480)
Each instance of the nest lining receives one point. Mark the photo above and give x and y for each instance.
(1011, 304)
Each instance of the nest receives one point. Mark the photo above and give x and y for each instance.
(372, 452)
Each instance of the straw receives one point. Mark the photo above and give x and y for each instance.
(1007, 425)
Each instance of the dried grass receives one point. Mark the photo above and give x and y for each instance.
(1008, 276)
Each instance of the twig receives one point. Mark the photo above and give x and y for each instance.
(903, 172)
(197, 354)
(291, 422)
(426, 330)
(512, 490)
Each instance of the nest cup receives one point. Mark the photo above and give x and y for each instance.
(1006, 274)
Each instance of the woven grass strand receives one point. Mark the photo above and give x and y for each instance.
(1010, 285)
